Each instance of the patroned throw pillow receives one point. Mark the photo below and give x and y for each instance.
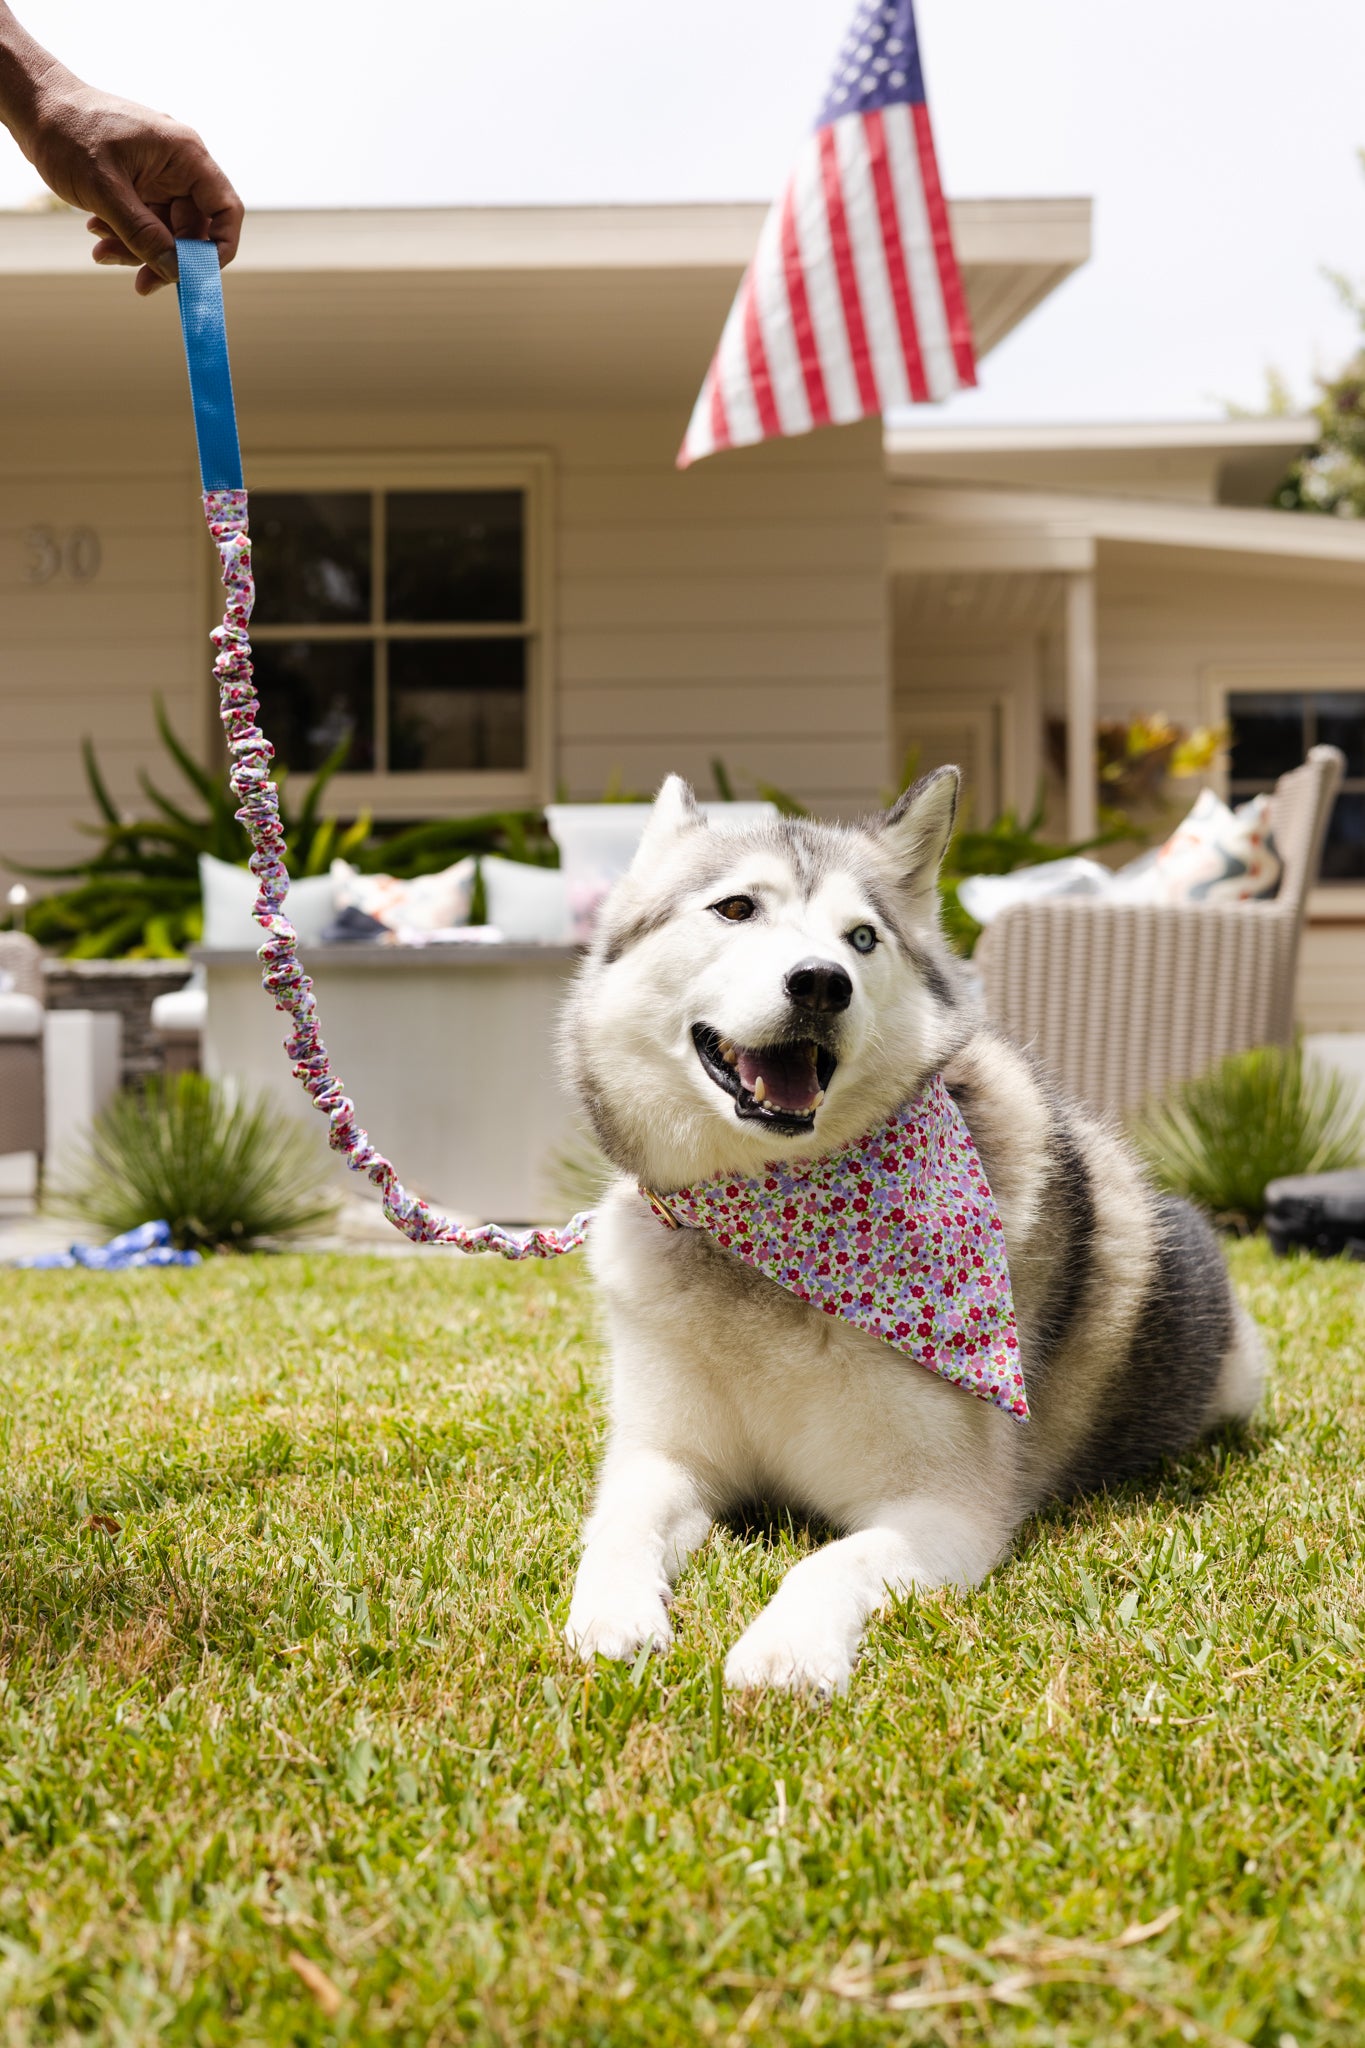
(428, 903)
(229, 893)
(1218, 855)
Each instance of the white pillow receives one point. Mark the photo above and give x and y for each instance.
(526, 903)
(985, 896)
(1216, 855)
(429, 903)
(20, 1016)
(229, 892)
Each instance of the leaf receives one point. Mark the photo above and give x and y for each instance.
(788, 806)
(308, 810)
(198, 777)
(165, 806)
(104, 802)
(317, 1983)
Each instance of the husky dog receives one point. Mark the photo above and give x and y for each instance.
(775, 993)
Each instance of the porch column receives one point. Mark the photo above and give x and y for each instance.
(1081, 706)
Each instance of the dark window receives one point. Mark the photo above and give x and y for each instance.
(454, 555)
(457, 704)
(397, 622)
(314, 694)
(1272, 732)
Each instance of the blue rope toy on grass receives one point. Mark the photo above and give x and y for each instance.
(200, 292)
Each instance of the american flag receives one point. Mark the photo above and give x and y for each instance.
(853, 302)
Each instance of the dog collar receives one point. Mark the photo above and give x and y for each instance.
(897, 1233)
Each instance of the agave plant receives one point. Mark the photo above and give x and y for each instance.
(1221, 1139)
(138, 895)
(224, 1172)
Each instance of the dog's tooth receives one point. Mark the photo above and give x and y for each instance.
(760, 1092)
(819, 1099)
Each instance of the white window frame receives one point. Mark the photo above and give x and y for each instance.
(422, 794)
(1331, 902)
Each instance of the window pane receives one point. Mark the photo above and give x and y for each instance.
(1267, 736)
(1343, 857)
(312, 557)
(1341, 723)
(315, 694)
(457, 704)
(454, 557)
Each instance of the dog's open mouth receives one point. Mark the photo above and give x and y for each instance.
(782, 1085)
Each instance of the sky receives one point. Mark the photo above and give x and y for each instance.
(1217, 138)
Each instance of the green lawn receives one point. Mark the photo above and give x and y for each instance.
(287, 1549)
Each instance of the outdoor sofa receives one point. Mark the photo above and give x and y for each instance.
(1118, 1000)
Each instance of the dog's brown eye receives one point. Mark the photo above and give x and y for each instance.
(735, 909)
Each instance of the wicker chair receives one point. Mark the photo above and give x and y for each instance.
(21, 1045)
(1118, 1000)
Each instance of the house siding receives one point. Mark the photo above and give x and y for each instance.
(89, 658)
(736, 611)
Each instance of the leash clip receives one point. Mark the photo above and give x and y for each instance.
(660, 1208)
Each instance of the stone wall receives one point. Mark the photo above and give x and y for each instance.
(127, 986)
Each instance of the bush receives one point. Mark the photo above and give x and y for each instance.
(1221, 1139)
(225, 1173)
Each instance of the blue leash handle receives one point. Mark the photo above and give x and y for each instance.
(204, 328)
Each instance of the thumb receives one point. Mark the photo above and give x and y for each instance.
(142, 234)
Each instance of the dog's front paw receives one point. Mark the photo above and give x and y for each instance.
(792, 1652)
(616, 1621)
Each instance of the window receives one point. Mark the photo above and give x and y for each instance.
(404, 622)
(1271, 733)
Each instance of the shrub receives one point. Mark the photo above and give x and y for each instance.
(1221, 1139)
(224, 1172)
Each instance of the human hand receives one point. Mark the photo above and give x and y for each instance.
(144, 178)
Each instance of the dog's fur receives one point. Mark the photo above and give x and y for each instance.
(725, 1388)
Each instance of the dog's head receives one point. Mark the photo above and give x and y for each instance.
(766, 992)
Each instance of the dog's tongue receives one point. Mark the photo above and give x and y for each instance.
(787, 1072)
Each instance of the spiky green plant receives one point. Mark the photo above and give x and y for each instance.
(1222, 1138)
(138, 896)
(226, 1173)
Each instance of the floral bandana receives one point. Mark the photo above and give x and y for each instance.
(898, 1233)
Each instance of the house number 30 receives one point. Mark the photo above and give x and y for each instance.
(50, 554)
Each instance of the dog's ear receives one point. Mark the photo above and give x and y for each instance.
(917, 828)
(674, 812)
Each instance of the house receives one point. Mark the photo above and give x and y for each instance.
(1100, 572)
(479, 563)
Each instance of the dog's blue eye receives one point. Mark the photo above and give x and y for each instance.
(735, 909)
(862, 938)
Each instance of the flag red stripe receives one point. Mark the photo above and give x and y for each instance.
(760, 377)
(720, 424)
(848, 278)
(803, 327)
(954, 303)
(895, 255)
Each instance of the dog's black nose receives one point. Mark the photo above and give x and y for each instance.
(819, 985)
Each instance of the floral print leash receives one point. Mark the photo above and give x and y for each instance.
(897, 1233)
(200, 293)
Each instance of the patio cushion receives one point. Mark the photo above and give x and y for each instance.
(180, 1010)
(20, 1016)
(526, 903)
(229, 893)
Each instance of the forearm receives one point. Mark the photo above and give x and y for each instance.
(26, 71)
